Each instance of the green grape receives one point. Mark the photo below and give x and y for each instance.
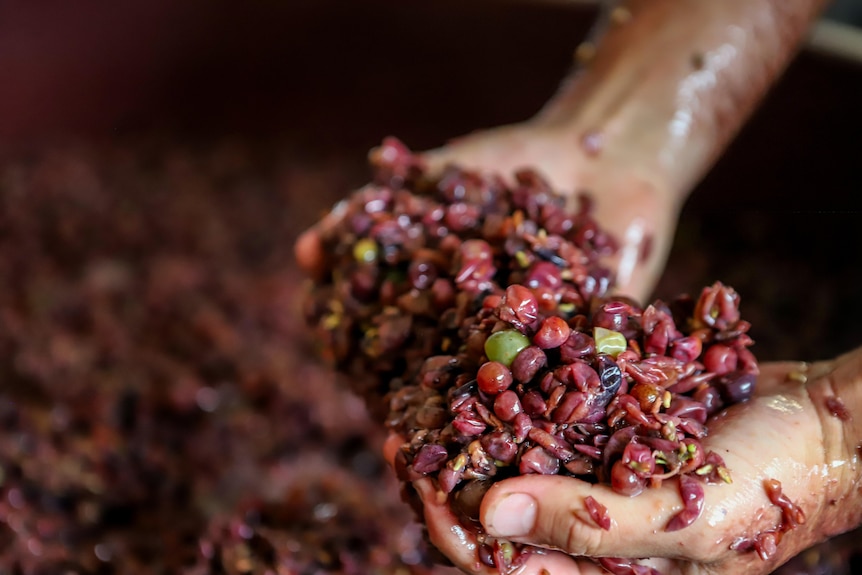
(609, 341)
(504, 346)
(365, 250)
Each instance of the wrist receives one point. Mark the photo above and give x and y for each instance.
(671, 83)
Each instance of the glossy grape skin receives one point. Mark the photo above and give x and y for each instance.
(365, 250)
(528, 363)
(625, 481)
(609, 341)
(552, 333)
(720, 359)
(504, 346)
(519, 307)
(493, 377)
(507, 405)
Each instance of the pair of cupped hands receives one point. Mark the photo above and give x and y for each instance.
(786, 432)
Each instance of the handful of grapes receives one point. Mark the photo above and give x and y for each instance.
(476, 317)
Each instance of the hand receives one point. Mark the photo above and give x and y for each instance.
(786, 432)
(631, 204)
(638, 136)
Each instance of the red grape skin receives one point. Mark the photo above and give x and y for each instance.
(493, 378)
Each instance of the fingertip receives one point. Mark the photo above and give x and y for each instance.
(509, 510)
(431, 495)
(308, 251)
(552, 511)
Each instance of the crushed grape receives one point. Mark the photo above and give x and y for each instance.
(478, 314)
(412, 255)
(604, 414)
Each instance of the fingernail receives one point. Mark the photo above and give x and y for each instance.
(513, 516)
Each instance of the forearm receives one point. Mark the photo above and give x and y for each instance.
(672, 81)
(670, 84)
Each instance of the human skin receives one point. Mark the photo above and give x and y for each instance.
(785, 432)
(670, 84)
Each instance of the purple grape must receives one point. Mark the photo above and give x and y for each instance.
(412, 255)
(606, 411)
(475, 317)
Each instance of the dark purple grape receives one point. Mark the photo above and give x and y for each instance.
(442, 294)
(461, 393)
(537, 460)
(717, 307)
(534, 403)
(685, 407)
(612, 315)
(448, 478)
(589, 450)
(548, 383)
(578, 375)
(746, 361)
(461, 216)
(617, 444)
(598, 280)
(431, 457)
(736, 386)
(544, 274)
(528, 363)
(625, 481)
(687, 384)
(578, 346)
(500, 445)
(363, 283)
(486, 555)
(611, 378)
(436, 371)
(507, 405)
(580, 465)
(710, 397)
(432, 416)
